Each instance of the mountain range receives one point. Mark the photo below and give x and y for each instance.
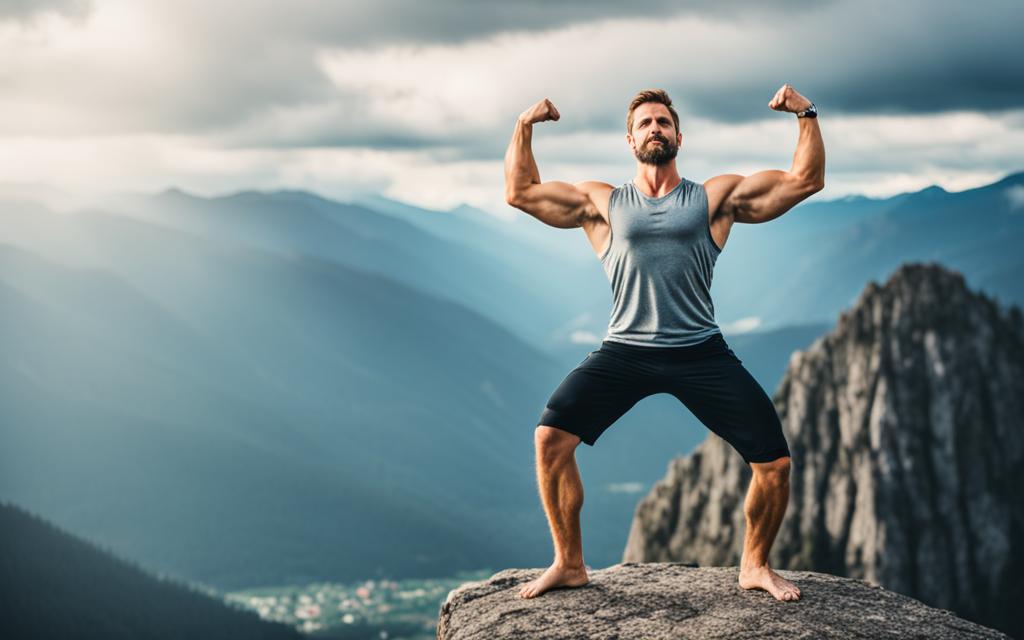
(265, 388)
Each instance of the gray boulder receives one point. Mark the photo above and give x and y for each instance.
(672, 600)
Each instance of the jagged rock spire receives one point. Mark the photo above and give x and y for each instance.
(906, 424)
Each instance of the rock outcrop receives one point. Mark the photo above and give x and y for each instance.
(650, 601)
(906, 425)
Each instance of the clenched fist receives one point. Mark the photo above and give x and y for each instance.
(787, 99)
(540, 112)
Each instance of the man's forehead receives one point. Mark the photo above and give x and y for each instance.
(651, 110)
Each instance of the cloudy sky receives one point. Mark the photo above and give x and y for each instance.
(416, 100)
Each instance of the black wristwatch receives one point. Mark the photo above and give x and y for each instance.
(809, 112)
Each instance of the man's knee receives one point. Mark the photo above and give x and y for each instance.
(774, 473)
(553, 443)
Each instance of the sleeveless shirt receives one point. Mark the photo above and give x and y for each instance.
(660, 260)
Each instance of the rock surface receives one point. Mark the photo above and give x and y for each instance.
(906, 425)
(669, 600)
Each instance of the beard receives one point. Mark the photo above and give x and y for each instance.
(657, 154)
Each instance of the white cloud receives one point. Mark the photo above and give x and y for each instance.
(743, 325)
(1015, 195)
(584, 337)
(485, 84)
(861, 158)
(626, 487)
(490, 391)
(90, 167)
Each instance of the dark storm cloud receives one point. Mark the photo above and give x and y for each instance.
(904, 58)
(849, 57)
(244, 72)
(370, 23)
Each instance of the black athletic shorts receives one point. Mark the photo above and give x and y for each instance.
(707, 378)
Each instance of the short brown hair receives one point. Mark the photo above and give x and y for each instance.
(650, 95)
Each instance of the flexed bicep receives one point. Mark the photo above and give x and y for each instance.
(555, 203)
(765, 195)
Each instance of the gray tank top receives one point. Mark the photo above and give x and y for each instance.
(659, 261)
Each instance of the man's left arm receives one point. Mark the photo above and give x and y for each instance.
(766, 195)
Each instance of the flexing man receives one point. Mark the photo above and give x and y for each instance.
(658, 238)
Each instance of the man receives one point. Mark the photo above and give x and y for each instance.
(658, 238)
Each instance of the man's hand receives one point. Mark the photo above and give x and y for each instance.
(540, 112)
(787, 99)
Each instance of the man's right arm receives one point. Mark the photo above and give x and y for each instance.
(559, 204)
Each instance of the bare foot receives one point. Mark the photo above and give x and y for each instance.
(766, 579)
(555, 576)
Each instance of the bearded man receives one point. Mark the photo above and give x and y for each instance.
(658, 238)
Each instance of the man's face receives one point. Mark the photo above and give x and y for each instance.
(654, 138)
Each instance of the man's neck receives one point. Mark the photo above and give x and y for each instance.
(655, 181)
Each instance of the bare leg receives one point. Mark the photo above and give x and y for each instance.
(764, 507)
(561, 491)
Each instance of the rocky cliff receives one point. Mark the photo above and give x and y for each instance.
(664, 600)
(906, 425)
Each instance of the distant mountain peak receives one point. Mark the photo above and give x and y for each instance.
(176, 192)
(853, 197)
(463, 207)
(916, 282)
(1011, 179)
(919, 296)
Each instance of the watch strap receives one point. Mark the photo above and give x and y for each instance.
(809, 112)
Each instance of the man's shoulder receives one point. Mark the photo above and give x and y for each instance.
(594, 187)
(724, 182)
(599, 193)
